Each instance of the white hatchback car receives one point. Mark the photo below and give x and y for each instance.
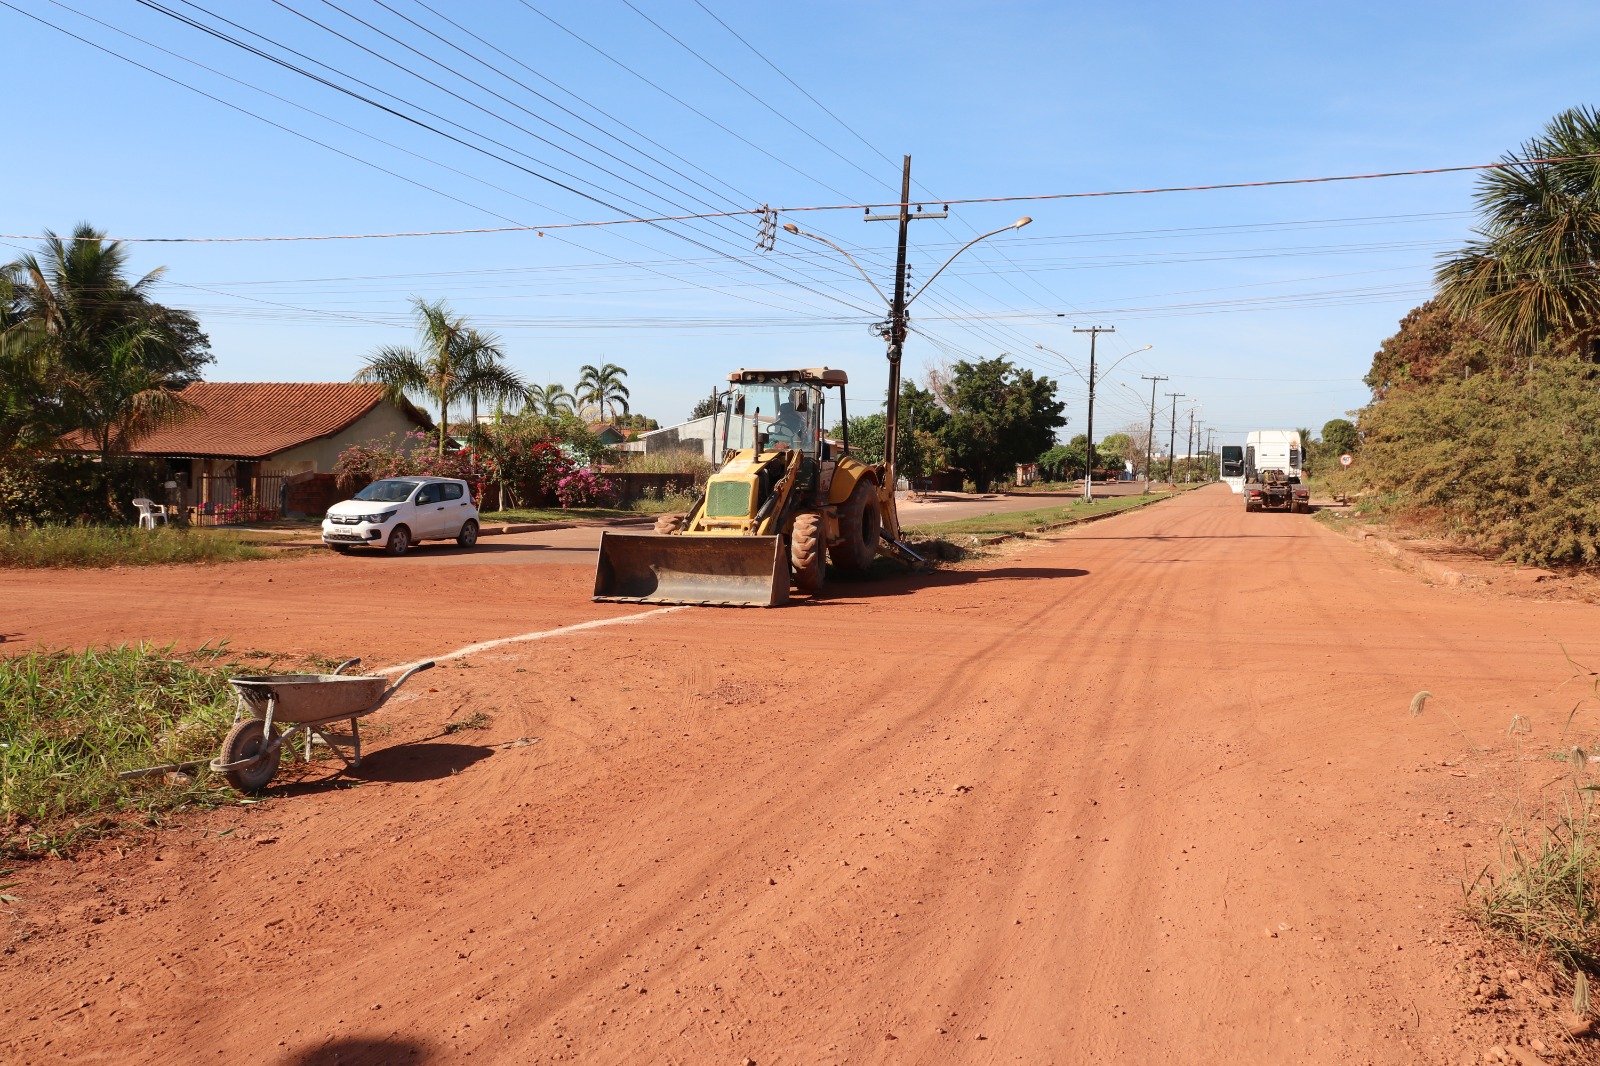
(397, 512)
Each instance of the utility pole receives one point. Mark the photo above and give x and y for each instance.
(895, 329)
(1188, 453)
(1088, 459)
(1211, 451)
(1172, 439)
(1150, 437)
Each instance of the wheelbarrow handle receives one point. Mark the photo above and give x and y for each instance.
(392, 689)
(346, 664)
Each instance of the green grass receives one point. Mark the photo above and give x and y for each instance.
(74, 720)
(1017, 521)
(103, 546)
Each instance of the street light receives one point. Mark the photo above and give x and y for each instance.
(1088, 458)
(897, 318)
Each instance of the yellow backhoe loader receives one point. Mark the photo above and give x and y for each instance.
(784, 500)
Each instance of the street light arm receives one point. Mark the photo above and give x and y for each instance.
(790, 227)
(1018, 224)
(1065, 361)
(1119, 362)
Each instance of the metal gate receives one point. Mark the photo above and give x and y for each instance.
(237, 499)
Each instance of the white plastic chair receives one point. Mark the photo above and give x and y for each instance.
(150, 512)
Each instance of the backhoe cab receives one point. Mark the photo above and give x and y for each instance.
(784, 500)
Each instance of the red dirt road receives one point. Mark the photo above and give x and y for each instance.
(1147, 792)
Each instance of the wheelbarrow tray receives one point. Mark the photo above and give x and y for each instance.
(310, 697)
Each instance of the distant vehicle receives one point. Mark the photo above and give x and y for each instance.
(1273, 449)
(1233, 466)
(1271, 490)
(397, 512)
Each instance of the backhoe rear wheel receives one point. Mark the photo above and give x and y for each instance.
(807, 553)
(859, 524)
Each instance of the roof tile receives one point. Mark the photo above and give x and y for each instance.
(253, 420)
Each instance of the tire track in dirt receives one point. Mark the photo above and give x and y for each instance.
(773, 835)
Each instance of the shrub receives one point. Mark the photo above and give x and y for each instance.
(1507, 461)
(526, 466)
(689, 461)
(414, 455)
(585, 488)
(44, 488)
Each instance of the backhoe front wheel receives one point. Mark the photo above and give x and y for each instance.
(807, 553)
(859, 524)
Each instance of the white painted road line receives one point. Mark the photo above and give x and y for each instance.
(473, 649)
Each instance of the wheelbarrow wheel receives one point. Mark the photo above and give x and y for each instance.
(248, 739)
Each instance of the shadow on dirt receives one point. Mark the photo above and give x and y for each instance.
(424, 761)
(844, 588)
(358, 1051)
(402, 763)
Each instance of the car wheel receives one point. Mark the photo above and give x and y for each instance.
(468, 535)
(399, 541)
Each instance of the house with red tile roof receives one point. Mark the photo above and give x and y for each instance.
(248, 437)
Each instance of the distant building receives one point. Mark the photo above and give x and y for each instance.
(260, 439)
(693, 435)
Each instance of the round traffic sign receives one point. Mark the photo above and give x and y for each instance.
(1346, 459)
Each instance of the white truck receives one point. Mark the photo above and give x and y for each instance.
(1263, 449)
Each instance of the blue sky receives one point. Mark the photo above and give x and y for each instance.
(1265, 305)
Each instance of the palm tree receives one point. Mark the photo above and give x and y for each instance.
(1531, 275)
(603, 387)
(86, 349)
(452, 362)
(551, 401)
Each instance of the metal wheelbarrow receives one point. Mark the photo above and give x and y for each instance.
(312, 704)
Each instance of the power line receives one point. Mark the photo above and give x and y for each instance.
(630, 220)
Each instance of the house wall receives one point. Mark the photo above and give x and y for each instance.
(695, 434)
(318, 456)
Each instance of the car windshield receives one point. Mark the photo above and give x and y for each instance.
(386, 491)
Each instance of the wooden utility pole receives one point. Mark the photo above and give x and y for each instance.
(1172, 439)
(1088, 458)
(1150, 436)
(894, 331)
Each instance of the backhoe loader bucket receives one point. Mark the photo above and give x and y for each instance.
(685, 568)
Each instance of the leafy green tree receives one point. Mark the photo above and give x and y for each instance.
(452, 362)
(999, 415)
(602, 386)
(1114, 450)
(867, 434)
(85, 348)
(1339, 437)
(635, 421)
(704, 408)
(1530, 276)
(1065, 461)
(1432, 343)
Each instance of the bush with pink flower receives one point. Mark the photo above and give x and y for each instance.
(585, 488)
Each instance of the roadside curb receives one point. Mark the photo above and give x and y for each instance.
(1023, 534)
(1430, 570)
